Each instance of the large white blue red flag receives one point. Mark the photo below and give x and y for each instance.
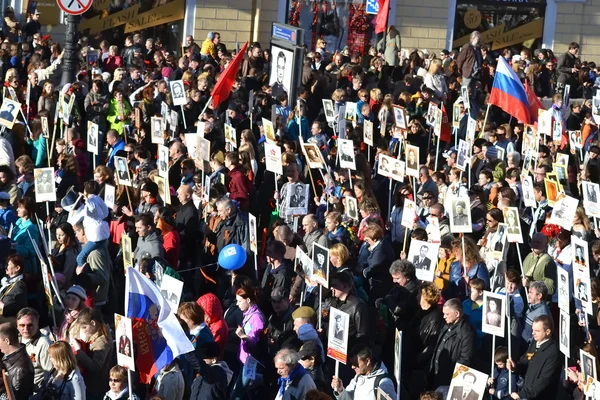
(157, 334)
(508, 92)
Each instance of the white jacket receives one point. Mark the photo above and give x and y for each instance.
(362, 387)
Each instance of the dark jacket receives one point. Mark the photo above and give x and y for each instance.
(377, 269)
(402, 305)
(186, 223)
(279, 330)
(565, 66)
(467, 60)
(210, 384)
(280, 277)
(430, 326)
(542, 368)
(358, 330)
(14, 298)
(232, 230)
(454, 345)
(19, 370)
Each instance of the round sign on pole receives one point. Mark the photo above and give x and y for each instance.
(75, 7)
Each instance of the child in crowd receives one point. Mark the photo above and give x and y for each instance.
(93, 213)
(498, 384)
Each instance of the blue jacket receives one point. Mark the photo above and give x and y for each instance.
(39, 153)
(24, 245)
(501, 383)
(120, 145)
(476, 317)
(458, 284)
(7, 218)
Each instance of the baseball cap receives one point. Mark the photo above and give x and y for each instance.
(539, 241)
(448, 153)
(310, 349)
(279, 293)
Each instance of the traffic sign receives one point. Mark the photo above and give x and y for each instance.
(74, 7)
(372, 7)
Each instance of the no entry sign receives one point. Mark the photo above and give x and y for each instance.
(75, 7)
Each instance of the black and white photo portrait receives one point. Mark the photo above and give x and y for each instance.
(460, 215)
(297, 198)
(44, 184)
(513, 223)
(412, 160)
(281, 74)
(8, 112)
(163, 161)
(588, 364)
(400, 117)
(123, 176)
(352, 208)
(45, 126)
(564, 333)
(329, 110)
(424, 257)
(346, 154)
(321, 265)
(178, 93)
(493, 313)
(467, 383)
(157, 130)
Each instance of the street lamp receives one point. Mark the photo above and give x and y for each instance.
(70, 59)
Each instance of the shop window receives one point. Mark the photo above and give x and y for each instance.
(513, 24)
(346, 24)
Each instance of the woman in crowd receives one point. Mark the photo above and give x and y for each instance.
(472, 263)
(103, 176)
(74, 303)
(39, 153)
(25, 232)
(213, 317)
(64, 253)
(93, 352)
(119, 385)
(163, 218)
(249, 332)
(66, 382)
(13, 290)
(119, 111)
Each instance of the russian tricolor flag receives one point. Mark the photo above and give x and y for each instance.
(157, 334)
(508, 92)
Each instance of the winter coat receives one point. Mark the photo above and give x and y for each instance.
(186, 223)
(454, 345)
(358, 329)
(114, 112)
(277, 277)
(232, 230)
(95, 363)
(430, 326)
(392, 47)
(149, 246)
(170, 383)
(363, 386)
(239, 188)
(24, 246)
(541, 368)
(377, 269)
(14, 296)
(95, 108)
(298, 387)
(39, 152)
(210, 384)
(213, 316)
(172, 247)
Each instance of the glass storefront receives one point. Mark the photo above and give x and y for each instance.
(346, 24)
(113, 20)
(513, 24)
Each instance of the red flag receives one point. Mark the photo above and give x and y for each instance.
(225, 83)
(382, 16)
(534, 102)
(445, 131)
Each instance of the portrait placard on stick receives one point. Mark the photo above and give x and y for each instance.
(513, 223)
(92, 137)
(43, 179)
(467, 383)
(337, 343)
(424, 257)
(346, 154)
(124, 342)
(273, 158)
(127, 251)
(109, 195)
(123, 176)
(320, 261)
(368, 132)
(494, 310)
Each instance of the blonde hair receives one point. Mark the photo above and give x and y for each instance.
(10, 74)
(338, 95)
(430, 293)
(340, 251)
(63, 358)
(435, 66)
(585, 221)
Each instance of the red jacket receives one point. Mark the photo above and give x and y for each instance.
(213, 316)
(172, 246)
(239, 188)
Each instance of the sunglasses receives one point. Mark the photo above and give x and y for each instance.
(114, 380)
(427, 197)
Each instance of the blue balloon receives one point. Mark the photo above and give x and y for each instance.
(232, 257)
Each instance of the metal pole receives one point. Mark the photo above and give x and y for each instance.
(70, 59)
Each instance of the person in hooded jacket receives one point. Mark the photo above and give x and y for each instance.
(213, 317)
(279, 273)
(150, 240)
(214, 377)
(371, 375)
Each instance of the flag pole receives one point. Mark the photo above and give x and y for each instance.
(484, 121)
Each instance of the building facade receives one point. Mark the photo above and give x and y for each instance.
(423, 24)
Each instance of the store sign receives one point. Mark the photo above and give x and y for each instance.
(501, 39)
(49, 12)
(133, 19)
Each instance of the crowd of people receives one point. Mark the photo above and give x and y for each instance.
(180, 211)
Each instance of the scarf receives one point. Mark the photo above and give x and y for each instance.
(299, 371)
(8, 282)
(114, 396)
(70, 317)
